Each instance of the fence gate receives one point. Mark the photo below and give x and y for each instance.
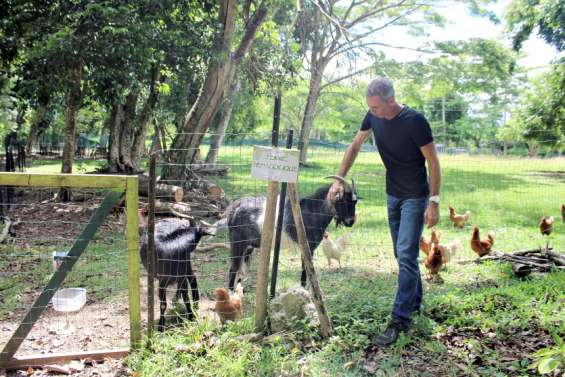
(98, 270)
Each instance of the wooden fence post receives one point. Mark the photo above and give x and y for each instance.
(151, 246)
(265, 255)
(132, 200)
(325, 323)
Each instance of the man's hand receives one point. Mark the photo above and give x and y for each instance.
(336, 191)
(431, 216)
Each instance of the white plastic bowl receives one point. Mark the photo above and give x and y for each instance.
(69, 299)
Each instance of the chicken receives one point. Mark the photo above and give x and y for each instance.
(484, 246)
(333, 250)
(426, 242)
(449, 250)
(434, 260)
(546, 225)
(458, 220)
(229, 308)
(563, 212)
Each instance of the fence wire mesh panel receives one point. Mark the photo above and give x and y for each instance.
(90, 310)
(502, 194)
(208, 189)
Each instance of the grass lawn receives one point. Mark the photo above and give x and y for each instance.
(482, 321)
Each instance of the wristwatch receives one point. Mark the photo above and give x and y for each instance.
(434, 199)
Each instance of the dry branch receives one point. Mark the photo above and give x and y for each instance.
(162, 191)
(211, 170)
(524, 262)
(176, 209)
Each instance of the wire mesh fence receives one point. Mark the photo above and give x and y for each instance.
(90, 310)
(504, 195)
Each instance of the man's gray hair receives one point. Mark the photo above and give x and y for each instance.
(380, 87)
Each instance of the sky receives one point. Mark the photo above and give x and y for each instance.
(461, 26)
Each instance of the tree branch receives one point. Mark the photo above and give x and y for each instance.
(339, 28)
(227, 19)
(372, 13)
(250, 30)
(385, 25)
(349, 48)
(344, 77)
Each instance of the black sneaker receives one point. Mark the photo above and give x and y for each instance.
(390, 335)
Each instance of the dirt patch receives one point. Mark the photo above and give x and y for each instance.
(469, 352)
(482, 349)
(97, 326)
(45, 222)
(102, 324)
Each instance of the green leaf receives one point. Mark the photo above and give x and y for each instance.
(547, 365)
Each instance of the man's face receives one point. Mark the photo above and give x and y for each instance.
(377, 106)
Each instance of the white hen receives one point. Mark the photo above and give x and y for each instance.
(334, 250)
(448, 250)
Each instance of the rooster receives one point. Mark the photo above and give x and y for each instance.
(333, 250)
(449, 250)
(426, 242)
(458, 220)
(484, 246)
(434, 260)
(229, 308)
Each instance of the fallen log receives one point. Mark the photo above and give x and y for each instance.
(207, 169)
(162, 190)
(556, 257)
(176, 209)
(527, 261)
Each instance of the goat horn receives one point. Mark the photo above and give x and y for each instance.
(339, 178)
(206, 224)
(208, 229)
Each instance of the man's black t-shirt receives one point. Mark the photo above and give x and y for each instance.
(399, 141)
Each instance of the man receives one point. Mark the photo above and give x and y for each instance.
(404, 140)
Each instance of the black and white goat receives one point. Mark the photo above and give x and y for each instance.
(245, 217)
(175, 240)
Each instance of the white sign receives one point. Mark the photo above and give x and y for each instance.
(276, 164)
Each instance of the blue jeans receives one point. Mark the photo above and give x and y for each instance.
(406, 222)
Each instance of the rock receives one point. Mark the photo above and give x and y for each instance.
(295, 304)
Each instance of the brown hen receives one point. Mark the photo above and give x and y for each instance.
(484, 246)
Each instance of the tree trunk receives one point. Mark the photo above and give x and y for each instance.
(114, 129)
(186, 145)
(156, 144)
(128, 129)
(127, 133)
(142, 121)
(73, 105)
(223, 121)
(163, 133)
(318, 63)
(38, 126)
(310, 110)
